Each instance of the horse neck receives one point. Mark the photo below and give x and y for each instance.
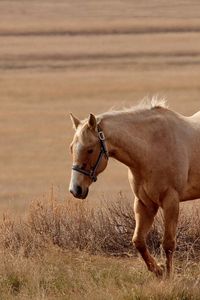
(123, 141)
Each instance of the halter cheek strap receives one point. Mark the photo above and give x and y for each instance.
(103, 152)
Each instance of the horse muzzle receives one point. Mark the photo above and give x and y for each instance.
(79, 193)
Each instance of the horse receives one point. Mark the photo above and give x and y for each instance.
(161, 149)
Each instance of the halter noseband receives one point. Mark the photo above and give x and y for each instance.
(103, 151)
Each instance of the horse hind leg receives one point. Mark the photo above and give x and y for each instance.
(171, 212)
(144, 218)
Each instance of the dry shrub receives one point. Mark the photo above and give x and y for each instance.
(71, 225)
(188, 233)
(75, 225)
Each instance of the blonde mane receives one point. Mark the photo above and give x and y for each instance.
(144, 104)
(153, 102)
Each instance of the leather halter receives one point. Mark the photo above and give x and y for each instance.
(103, 152)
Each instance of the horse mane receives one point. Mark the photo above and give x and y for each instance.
(144, 105)
(153, 102)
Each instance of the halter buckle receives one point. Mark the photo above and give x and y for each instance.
(101, 136)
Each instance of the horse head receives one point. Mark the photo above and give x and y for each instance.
(90, 156)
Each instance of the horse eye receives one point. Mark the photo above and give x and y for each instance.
(90, 151)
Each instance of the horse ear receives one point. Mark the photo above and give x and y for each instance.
(75, 121)
(92, 122)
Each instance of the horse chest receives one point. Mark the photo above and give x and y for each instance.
(146, 190)
(147, 194)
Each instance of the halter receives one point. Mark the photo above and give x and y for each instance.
(103, 151)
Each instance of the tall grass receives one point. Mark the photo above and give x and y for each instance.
(107, 230)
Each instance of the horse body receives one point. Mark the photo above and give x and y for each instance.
(161, 149)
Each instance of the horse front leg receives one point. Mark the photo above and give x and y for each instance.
(144, 218)
(171, 212)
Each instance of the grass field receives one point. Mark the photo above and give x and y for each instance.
(81, 57)
(77, 275)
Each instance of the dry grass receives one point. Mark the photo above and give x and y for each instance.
(50, 254)
(77, 275)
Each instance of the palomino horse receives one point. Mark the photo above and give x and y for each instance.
(162, 151)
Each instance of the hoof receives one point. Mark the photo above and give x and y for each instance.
(160, 270)
(162, 266)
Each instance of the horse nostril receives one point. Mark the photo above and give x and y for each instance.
(79, 190)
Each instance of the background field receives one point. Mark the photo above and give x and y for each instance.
(84, 57)
(78, 56)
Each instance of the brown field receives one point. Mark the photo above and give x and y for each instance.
(78, 56)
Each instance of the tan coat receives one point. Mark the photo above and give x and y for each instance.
(162, 151)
